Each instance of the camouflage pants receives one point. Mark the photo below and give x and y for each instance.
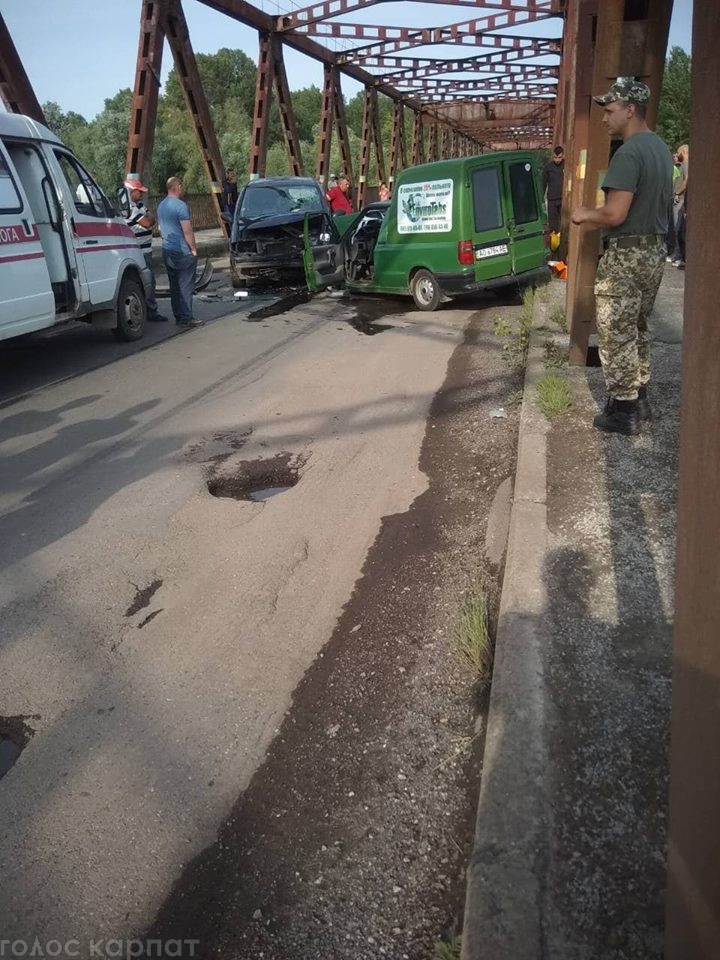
(626, 285)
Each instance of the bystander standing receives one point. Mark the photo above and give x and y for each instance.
(179, 251)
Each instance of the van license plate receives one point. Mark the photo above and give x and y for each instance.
(484, 252)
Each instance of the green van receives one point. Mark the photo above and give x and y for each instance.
(452, 227)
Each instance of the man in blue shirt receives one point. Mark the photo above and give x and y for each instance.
(179, 251)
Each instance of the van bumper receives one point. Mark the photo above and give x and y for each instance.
(455, 284)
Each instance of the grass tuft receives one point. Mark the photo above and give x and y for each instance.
(515, 398)
(471, 635)
(448, 949)
(554, 397)
(555, 355)
(559, 318)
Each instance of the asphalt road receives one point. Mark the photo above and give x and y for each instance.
(152, 634)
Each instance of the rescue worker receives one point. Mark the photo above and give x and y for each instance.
(634, 218)
(141, 222)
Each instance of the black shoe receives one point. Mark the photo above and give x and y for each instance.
(156, 318)
(619, 416)
(192, 322)
(644, 411)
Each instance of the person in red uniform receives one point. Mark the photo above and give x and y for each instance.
(338, 197)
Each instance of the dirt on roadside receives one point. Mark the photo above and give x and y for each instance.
(352, 839)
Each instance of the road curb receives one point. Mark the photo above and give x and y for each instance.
(505, 877)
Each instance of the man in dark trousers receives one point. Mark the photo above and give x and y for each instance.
(553, 177)
(229, 195)
(638, 194)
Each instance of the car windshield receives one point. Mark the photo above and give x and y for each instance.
(271, 201)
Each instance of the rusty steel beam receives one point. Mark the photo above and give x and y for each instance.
(261, 111)
(334, 8)
(693, 897)
(418, 154)
(501, 82)
(176, 31)
(369, 105)
(146, 92)
(397, 148)
(287, 114)
(392, 39)
(540, 45)
(435, 97)
(445, 143)
(377, 140)
(342, 129)
(15, 87)
(488, 61)
(327, 116)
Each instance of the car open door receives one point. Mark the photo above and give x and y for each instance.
(323, 258)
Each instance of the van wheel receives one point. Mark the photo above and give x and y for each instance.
(425, 291)
(131, 310)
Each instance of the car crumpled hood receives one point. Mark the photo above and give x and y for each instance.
(243, 228)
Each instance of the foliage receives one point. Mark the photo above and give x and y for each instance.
(674, 109)
(559, 318)
(555, 355)
(471, 635)
(554, 396)
(229, 79)
(448, 949)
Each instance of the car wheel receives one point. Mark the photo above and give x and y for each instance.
(425, 290)
(131, 310)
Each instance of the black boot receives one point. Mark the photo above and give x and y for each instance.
(644, 411)
(619, 416)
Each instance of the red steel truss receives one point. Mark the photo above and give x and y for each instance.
(444, 95)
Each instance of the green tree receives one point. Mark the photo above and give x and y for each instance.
(674, 109)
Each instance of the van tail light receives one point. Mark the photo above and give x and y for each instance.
(466, 254)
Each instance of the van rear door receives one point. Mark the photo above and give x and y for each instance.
(526, 218)
(491, 233)
(26, 298)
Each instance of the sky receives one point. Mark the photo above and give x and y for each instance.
(86, 51)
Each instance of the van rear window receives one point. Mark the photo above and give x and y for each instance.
(10, 201)
(522, 187)
(486, 198)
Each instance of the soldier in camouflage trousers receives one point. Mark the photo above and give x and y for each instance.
(634, 218)
(626, 286)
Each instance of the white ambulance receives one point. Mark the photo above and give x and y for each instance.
(65, 254)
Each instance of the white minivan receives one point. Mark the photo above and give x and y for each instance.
(65, 254)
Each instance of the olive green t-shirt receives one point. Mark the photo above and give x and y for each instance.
(643, 166)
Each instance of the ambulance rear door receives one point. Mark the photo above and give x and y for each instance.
(27, 302)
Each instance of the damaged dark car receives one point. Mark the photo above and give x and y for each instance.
(278, 219)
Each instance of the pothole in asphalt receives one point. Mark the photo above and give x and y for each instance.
(143, 596)
(15, 734)
(258, 480)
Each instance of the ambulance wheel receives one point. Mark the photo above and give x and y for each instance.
(131, 310)
(425, 290)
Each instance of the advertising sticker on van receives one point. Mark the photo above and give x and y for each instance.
(425, 207)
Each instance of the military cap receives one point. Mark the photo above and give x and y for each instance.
(628, 89)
